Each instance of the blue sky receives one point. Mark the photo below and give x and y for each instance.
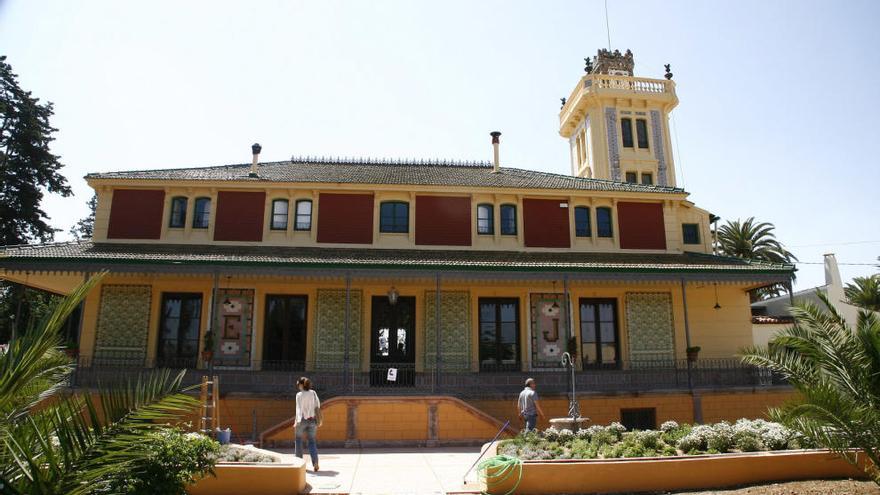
(778, 114)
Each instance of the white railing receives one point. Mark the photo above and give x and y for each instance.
(635, 84)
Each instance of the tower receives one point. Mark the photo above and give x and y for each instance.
(618, 124)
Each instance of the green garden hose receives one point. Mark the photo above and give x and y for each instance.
(503, 467)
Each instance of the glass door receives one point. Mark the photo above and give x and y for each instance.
(393, 341)
(284, 333)
(599, 337)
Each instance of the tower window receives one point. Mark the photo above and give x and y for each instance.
(202, 213)
(582, 222)
(178, 213)
(642, 133)
(394, 217)
(485, 220)
(279, 214)
(632, 177)
(508, 219)
(647, 179)
(690, 233)
(303, 215)
(603, 222)
(626, 131)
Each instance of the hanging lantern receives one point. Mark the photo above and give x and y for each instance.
(393, 294)
(717, 306)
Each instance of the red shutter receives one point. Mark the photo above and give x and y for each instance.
(641, 226)
(345, 218)
(545, 223)
(136, 214)
(443, 221)
(239, 216)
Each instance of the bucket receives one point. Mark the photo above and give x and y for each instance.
(224, 436)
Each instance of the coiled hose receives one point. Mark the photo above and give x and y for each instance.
(503, 467)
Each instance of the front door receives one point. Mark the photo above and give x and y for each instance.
(284, 333)
(393, 342)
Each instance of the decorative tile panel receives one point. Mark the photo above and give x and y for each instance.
(549, 328)
(657, 131)
(455, 330)
(123, 321)
(613, 150)
(235, 323)
(651, 331)
(329, 339)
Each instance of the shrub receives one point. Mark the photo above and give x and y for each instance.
(668, 426)
(604, 437)
(721, 438)
(649, 439)
(696, 440)
(232, 453)
(551, 434)
(566, 435)
(617, 429)
(177, 459)
(584, 434)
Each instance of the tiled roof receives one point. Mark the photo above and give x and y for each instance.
(87, 252)
(395, 172)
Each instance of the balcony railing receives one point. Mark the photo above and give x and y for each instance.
(596, 83)
(331, 379)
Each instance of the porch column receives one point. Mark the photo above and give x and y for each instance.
(82, 315)
(212, 321)
(437, 358)
(567, 308)
(695, 397)
(345, 358)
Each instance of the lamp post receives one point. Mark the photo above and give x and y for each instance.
(574, 410)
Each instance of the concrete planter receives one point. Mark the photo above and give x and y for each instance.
(673, 473)
(235, 478)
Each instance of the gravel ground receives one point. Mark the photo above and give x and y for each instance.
(819, 487)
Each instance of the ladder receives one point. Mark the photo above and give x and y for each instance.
(210, 399)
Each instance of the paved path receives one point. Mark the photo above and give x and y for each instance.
(414, 471)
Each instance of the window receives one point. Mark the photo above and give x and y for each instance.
(178, 213)
(499, 334)
(202, 213)
(599, 333)
(485, 220)
(626, 131)
(642, 133)
(279, 214)
(508, 219)
(603, 222)
(690, 233)
(643, 418)
(582, 222)
(179, 330)
(303, 215)
(394, 217)
(632, 177)
(647, 179)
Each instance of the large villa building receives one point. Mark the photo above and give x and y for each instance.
(423, 282)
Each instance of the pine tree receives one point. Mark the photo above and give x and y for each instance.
(86, 226)
(28, 169)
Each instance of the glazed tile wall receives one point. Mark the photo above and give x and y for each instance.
(123, 321)
(455, 325)
(649, 321)
(329, 335)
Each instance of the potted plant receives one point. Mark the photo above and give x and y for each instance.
(693, 353)
(208, 348)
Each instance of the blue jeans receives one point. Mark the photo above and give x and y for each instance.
(307, 428)
(531, 421)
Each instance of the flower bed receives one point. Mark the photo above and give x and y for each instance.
(672, 439)
(242, 469)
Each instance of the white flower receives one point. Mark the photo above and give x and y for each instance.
(668, 426)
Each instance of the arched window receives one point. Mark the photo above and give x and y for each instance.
(603, 222)
(202, 213)
(485, 219)
(394, 217)
(279, 214)
(177, 218)
(303, 215)
(508, 219)
(582, 226)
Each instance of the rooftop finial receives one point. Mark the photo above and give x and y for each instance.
(668, 74)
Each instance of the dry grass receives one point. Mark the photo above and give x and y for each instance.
(816, 487)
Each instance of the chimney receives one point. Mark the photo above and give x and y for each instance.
(495, 142)
(832, 272)
(255, 148)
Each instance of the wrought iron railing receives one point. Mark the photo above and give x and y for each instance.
(279, 377)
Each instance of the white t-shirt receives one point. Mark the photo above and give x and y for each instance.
(306, 403)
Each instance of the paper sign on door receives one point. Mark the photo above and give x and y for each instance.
(392, 374)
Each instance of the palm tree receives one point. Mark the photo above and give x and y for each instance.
(54, 442)
(864, 292)
(753, 240)
(837, 371)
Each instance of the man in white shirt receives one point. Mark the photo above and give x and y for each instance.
(306, 421)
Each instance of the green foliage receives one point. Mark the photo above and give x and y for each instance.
(176, 459)
(85, 227)
(52, 442)
(232, 453)
(836, 369)
(864, 292)
(753, 240)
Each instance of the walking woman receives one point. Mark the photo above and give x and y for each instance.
(308, 418)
